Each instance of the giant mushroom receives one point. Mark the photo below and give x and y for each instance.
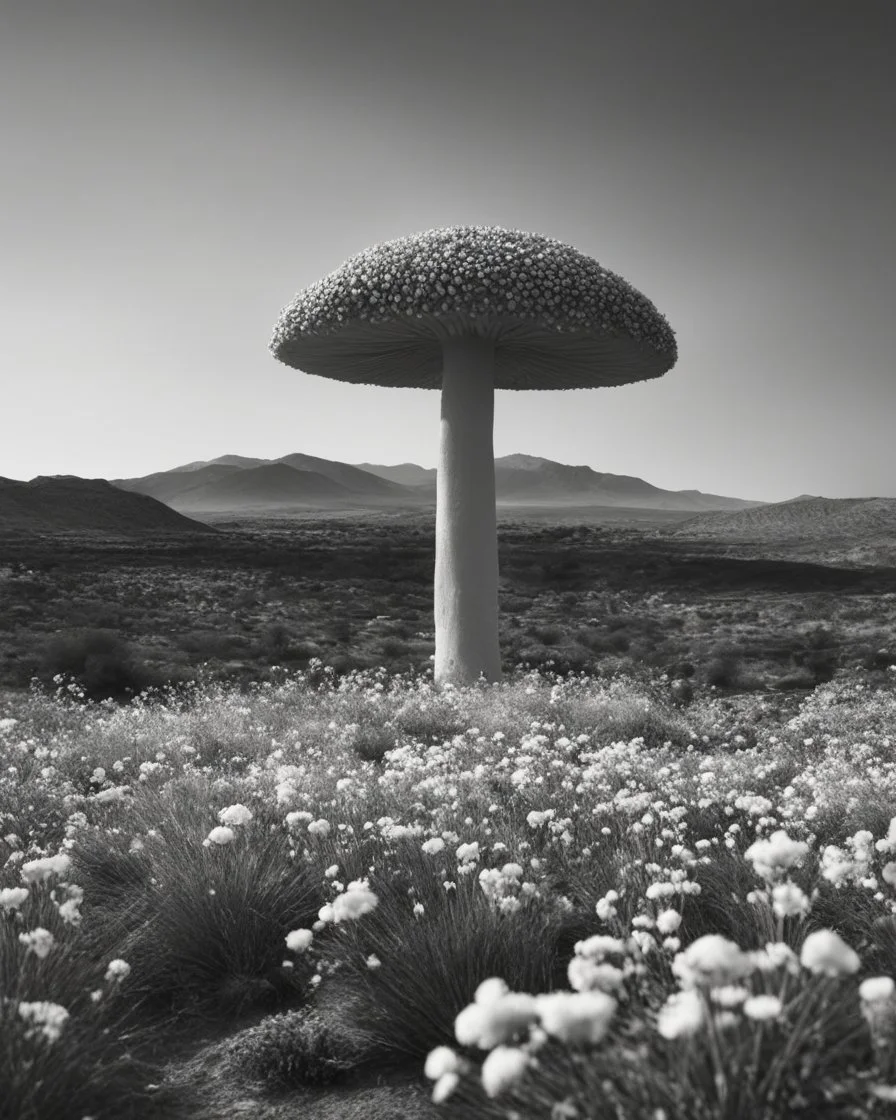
(471, 309)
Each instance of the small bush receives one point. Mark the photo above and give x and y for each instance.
(723, 670)
(291, 1049)
(100, 661)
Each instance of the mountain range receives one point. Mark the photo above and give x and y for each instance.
(239, 484)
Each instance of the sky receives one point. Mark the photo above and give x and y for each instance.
(172, 173)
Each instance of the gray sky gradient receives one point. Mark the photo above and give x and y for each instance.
(172, 173)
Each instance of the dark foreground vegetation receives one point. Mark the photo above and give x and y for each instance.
(356, 592)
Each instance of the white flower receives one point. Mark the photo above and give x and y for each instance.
(889, 873)
(789, 901)
(440, 1061)
(762, 1007)
(298, 940)
(356, 900)
(373, 962)
(586, 975)
(113, 793)
(775, 955)
(433, 846)
(731, 995)
(490, 990)
(877, 989)
(11, 898)
(503, 1068)
(681, 1015)
(599, 945)
(776, 854)
(220, 835)
(445, 1086)
(319, 828)
(38, 941)
(712, 960)
(286, 792)
(468, 853)
(825, 952)
(117, 970)
(535, 819)
(576, 1017)
(48, 1018)
(668, 921)
(39, 870)
(493, 1021)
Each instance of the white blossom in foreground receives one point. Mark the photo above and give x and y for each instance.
(503, 1068)
(789, 901)
(711, 960)
(298, 940)
(117, 970)
(39, 870)
(38, 941)
(444, 1087)
(576, 1017)
(11, 898)
(356, 900)
(776, 854)
(44, 1018)
(763, 1007)
(681, 1015)
(877, 989)
(489, 1022)
(440, 1061)
(668, 921)
(235, 815)
(219, 835)
(825, 953)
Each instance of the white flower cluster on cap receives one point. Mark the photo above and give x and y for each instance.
(478, 272)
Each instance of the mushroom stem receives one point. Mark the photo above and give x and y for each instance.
(466, 572)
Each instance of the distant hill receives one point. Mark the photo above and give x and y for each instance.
(354, 479)
(406, 474)
(530, 480)
(272, 486)
(223, 461)
(219, 484)
(520, 480)
(167, 485)
(67, 504)
(845, 529)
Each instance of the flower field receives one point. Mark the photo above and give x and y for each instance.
(560, 896)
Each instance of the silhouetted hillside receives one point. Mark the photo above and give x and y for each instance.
(85, 505)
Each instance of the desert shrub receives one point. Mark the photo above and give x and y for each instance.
(724, 668)
(100, 661)
(371, 741)
(89, 1068)
(431, 963)
(548, 635)
(394, 648)
(199, 925)
(291, 1049)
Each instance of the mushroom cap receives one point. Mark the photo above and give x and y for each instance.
(558, 319)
